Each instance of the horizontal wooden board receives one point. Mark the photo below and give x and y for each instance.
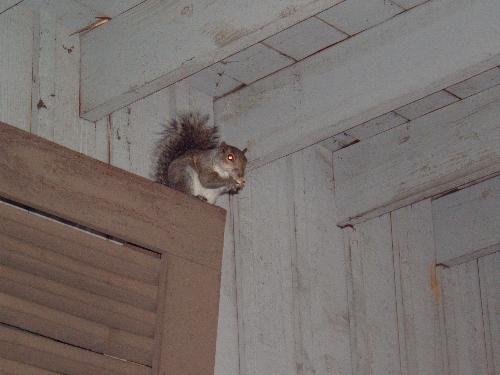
(73, 330)
(76, 302)
(8, 367)
(467, 223)
(418, 160)
(78, 244)
(200, 33)
(39, 268)
(70, 185)
(34, 350)
(68, 264)
(347, 84)
(105, 283)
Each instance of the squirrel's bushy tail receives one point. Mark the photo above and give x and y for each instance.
(189, 131)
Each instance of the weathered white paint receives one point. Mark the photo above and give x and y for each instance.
(158, 43)
(408, 4)
(377, 125)
(6, 4)
(466, 351)
(290, 270)
(305, 38)
(69, 13)
(425, 105)
(354, 16)
(16, 49)
(264, 272)
(363, 77)
(476, 84)
(467, 223)
(372, 305)
(489, 274)
(425, 157)
(227, 353)
(420, 330)
(136, 129)
(254, 63)
(55, 93)
(109, 8)
(213, 81)
(322, 344)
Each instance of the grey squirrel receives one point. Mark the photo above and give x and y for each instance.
(190, 159)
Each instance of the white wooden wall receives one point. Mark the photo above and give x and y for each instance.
(290, 270)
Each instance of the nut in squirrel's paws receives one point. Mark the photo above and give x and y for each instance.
(241, 182)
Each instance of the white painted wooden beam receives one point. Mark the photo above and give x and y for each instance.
(404, 59)
(467, 223)
(160, 42)
(431, 155)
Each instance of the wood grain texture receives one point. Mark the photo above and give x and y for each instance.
(419, 319)
(16, 37)
(76, 302)
(333, 90)
(290, 270)
(107, 199)
(489, 274)
(378, 175)
(17, 254)
(136, 129)
(8, 367)
(21, 346)
(78, 245)
(319, 268)
(373, 307)
(227, 353)
(467, 223)
(465, 339)
(73, 330)
(189, 319)
(264, 271)
(7, 4)
(113, 77)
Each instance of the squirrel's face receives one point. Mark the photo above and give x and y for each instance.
(233, 160)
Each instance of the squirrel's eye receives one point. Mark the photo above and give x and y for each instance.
(230, 157)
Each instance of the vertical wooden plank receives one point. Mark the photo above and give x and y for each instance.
(374, 322)
(227, 355)
(44, 72)
(466, 352)
(95, 139)
(319, 268)
(187, 98)
(189, 322)
(418, 305)
(135, 129)
(16, 53)
(264, 241)
(55, 94)
(489, 273)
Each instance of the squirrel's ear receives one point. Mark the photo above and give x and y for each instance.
(244, 150)
(223, 144)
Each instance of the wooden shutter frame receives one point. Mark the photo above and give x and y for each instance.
(188, 233)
